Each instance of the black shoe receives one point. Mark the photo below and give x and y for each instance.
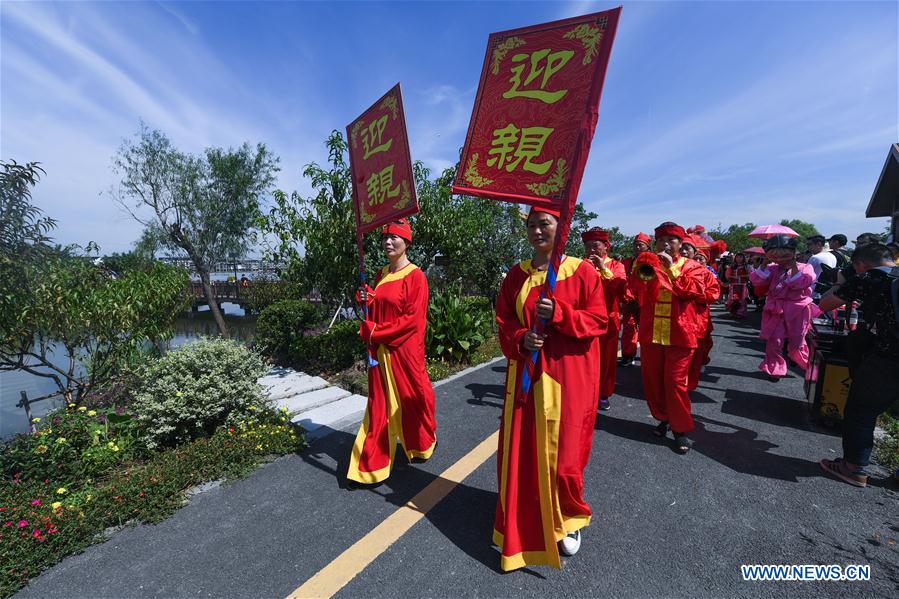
(682, 443)
(660, 430)
(626, 361)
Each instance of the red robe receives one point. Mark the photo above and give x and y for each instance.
(704, 343)
(545, 440)
(629, 323)
(400, 395)
(670, 329)
(614, 287)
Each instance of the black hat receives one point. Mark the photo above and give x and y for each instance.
(779, 242)
(815, 239)
(839, 238)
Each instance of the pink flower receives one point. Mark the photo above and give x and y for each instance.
(52, 530)
(36, 534)
(10, 523)
(23, 523)
(36, 502)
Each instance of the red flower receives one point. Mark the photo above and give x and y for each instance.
(35, 534)
(23, 523)
(52, 530)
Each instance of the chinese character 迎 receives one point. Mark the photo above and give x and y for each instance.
(371, 138)
(543, 62)
(509, 148)
(380, 186)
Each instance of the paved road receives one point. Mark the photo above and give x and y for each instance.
(665, 525)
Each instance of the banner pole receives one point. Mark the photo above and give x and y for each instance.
(368, 349)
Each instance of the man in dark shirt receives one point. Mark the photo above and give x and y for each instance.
(837, 245)
(875, 366)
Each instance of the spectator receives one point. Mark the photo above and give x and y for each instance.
(874, 356)
(894, 249)
(819, 255)
(837, 245)
(864, 239)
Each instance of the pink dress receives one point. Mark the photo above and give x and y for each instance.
(787, 316)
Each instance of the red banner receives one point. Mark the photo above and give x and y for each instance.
(380, 164)
(536, 111)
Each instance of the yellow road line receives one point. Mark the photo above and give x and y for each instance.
(333, 577)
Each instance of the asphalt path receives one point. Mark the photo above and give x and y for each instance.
(665, 525)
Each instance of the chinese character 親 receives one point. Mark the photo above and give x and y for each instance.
(511, 145)
(380, 186)
(543, 64)
(371, 138)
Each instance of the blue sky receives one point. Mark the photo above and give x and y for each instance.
(711, 113)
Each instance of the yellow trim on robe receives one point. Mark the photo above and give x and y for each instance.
(548, 399)
(394, 428)
(353, 472)
(387, 276)
(520, 560)
(537, 277)
(508, 405)
(605, 273)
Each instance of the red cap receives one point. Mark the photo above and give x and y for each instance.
(672, 229)
(695, 229)
(551, 211)
(689, 240)
(643, 237)
(706, 253)
(400, 228)
(595, 234)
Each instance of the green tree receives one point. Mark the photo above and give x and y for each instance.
(580, 222)
(804, 229)
(205, 205)
(735, 236)
(315, 237)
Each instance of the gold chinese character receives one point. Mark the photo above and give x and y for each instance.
(371, 138)
(509, 149)
(543, 62)
(380, 186)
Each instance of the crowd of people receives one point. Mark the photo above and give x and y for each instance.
(562, 351)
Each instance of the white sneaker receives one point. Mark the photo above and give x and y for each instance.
(570, 544)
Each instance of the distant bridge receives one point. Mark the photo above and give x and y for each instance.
(232, 292)
(245, 265)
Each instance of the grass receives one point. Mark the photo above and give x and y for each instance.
(886, 448)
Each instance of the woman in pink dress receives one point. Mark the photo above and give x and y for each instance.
(788, 309)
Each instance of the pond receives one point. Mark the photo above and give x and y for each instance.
(187, 327)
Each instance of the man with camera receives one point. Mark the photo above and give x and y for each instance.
(874, 356)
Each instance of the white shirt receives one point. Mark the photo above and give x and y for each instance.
(822, 257)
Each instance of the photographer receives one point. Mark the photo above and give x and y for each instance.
(874, 356)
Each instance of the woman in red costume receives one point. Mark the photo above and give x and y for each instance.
(545, 435)
(690, 249)
(614, 287)
(400, 395)
(737, 275)
(630, 310)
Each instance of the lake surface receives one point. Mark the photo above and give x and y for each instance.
(187, 327)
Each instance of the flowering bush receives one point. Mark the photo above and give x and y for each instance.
(73, 443)
(196, 388)
(44, 520)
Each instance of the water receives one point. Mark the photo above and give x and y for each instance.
(187, 327)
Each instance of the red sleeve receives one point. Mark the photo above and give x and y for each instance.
(689, 285)
(617, 285)
(712, 288)
(414, 316)
(511, 331)
(591, 318)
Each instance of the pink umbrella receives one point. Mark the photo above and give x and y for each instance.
(769, 231)
(754, 250)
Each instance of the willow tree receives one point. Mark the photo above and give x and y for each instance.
(204, 206)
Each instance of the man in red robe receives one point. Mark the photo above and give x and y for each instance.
(546, 434)
(668, 289)
(690, 248)
(614, 287)
(630, 312)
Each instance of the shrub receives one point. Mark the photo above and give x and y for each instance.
(341, 346)
(280, 324)
(39, 525)
(478, 304)
(262, 292)
(455, 330)
(71, 444)
(192, 390)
